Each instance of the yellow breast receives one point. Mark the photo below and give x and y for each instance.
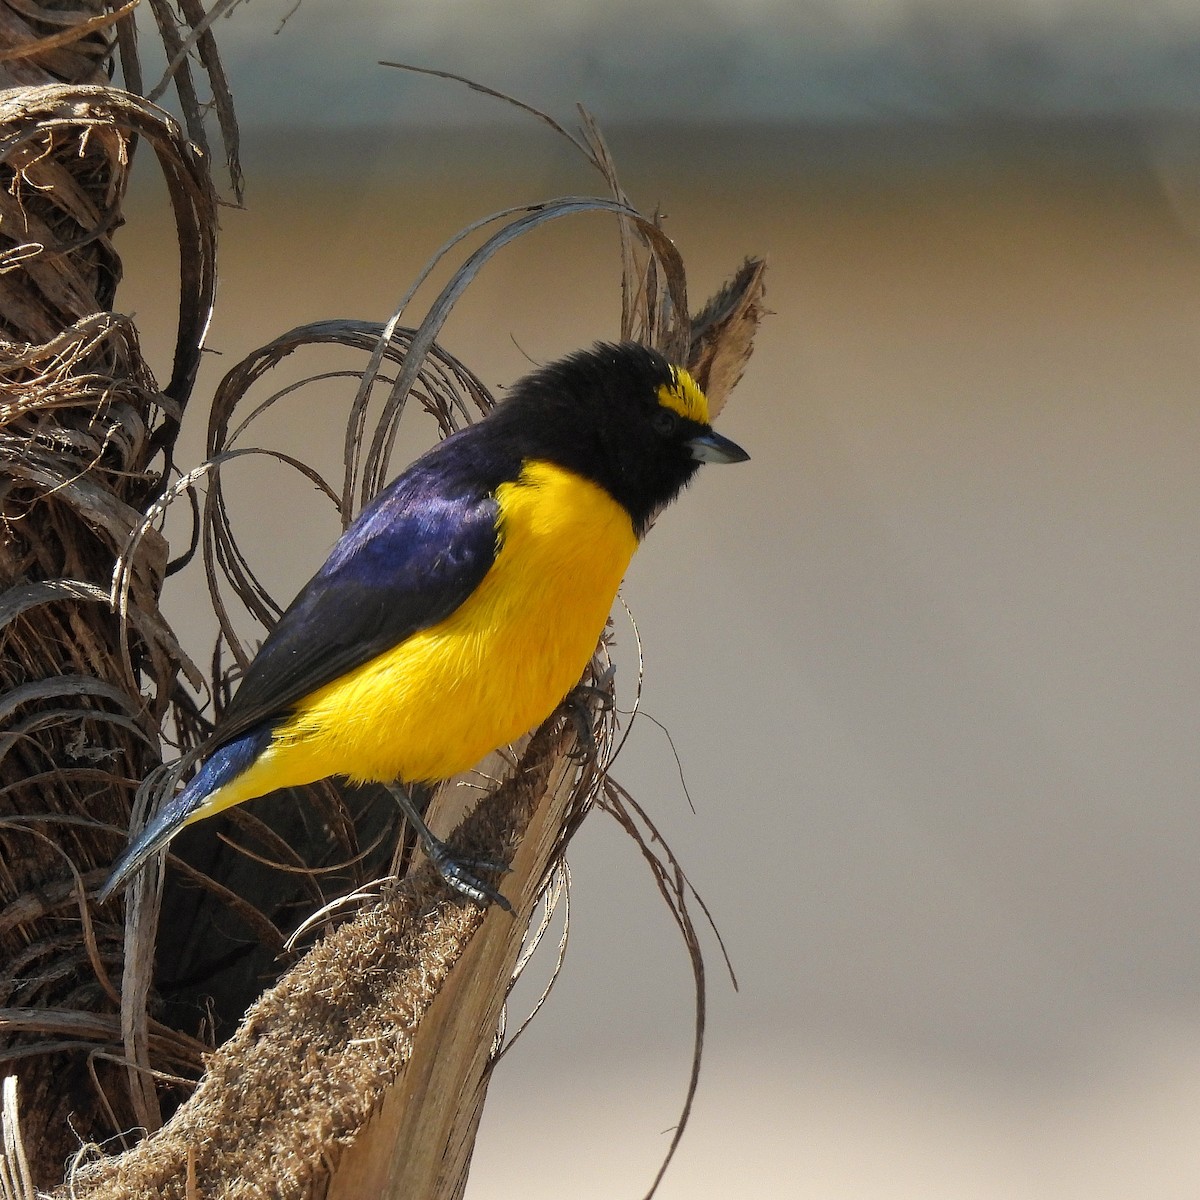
(498, 665)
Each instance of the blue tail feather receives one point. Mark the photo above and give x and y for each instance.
(222, 766)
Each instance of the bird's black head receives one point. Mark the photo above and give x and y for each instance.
(624, 417)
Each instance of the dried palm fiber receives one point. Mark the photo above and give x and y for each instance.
(85, 435)
(56, 42)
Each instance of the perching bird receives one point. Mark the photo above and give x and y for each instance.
(464, 602)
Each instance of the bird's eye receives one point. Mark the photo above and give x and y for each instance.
(664, 422)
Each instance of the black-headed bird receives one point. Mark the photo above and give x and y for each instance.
(462, 605)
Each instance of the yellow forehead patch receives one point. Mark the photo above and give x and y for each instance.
(683, 395)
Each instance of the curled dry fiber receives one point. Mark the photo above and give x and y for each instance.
(84, 431)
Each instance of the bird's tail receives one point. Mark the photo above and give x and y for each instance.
(222, 766)
(167, 822)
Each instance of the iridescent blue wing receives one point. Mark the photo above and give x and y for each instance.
(408, 561)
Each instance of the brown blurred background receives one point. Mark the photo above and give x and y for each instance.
(928, 661)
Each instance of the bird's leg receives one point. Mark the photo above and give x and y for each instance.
(456, 871)
(578, 703)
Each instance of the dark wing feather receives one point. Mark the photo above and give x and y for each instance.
(408, 561)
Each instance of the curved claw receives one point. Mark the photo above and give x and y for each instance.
(458, 874)
(578, 704)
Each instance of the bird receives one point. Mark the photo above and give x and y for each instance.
(463, 603)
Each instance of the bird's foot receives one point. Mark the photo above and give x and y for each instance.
(578, 703)
(460, 873)
(457, 872)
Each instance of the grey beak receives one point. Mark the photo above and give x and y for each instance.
(713, 448)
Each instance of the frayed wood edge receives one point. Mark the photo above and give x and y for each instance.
(421, 1140)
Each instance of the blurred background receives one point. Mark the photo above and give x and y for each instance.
(928, 660)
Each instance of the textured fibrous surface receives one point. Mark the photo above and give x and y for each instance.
(84, 434)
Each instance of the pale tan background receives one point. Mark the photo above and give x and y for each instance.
(929, 660)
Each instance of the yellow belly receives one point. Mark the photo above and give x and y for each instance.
(496, 667)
